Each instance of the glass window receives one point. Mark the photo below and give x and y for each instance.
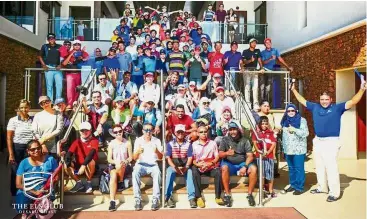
(20, 13)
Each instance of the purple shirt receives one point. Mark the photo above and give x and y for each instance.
(221, 15)
(233, 60)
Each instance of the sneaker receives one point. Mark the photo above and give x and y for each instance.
(138, 206)
(112, 206)
(193, 203)
(219, 201)
(297, 192)
(88, 187)
(290, 189)
(171, 203)
(78, 186)
(273, 195)
(315, 191)
(251, 200)
(200, 202)
(228, 200)
(155, 204)
(331, 198)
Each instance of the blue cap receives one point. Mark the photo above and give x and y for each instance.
(59, 100)
(119, 98)
(233, 125)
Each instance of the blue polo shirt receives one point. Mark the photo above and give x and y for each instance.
(124, 61)
(111, 63)
(266, 54)
(326, 120)
(233, 60)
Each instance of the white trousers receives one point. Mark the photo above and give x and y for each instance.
(326, 152)
(254, 78)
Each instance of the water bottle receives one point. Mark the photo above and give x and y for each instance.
(126, 183)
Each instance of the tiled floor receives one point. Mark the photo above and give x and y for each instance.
(352, 205)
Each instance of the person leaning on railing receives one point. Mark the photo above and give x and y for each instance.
(49, 56)
(19, 133)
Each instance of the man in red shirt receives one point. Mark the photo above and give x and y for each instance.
(85, 150)
(216, 61)
(180, 118)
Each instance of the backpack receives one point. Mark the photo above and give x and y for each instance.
(104, 182)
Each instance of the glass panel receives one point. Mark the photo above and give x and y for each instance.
(20, 13)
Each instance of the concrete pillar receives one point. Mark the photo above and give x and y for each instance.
(97, 9)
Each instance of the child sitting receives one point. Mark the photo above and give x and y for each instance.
(267, 136)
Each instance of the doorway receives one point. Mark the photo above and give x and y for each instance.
(361, 120)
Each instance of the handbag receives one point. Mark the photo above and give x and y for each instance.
(104, 182)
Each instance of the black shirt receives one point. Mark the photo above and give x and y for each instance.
(50, 54)
(247, 54)
(241, 147)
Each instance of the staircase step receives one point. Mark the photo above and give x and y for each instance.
(126, 196)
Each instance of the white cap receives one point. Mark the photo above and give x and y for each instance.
(77, 41)
(192, 83)
(85, 125)
(204, 99)
(180, 127)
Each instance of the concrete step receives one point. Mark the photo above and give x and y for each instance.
(91, 201)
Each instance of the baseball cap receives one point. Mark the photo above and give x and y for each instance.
(252, 40)
(197, 48)
(66, 42)
(203, 36)
(162, 51)
(59, 100)
(127, 72)
(139, 47)
(204, 99)
(225, 108)
(179, 127)
(51, 35)
(77, 42)
(217, 75)
(181, 86)
(233, 124)
(43, 98)
(219, 88)
(118, 98)
(200, 28)
(146, 48)
(149, 74)
(112, 49)
(266, 39)
(192, 83)
(150, 101)
(234, 43)
(85, 126)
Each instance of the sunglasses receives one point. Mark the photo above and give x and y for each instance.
(180, 132)
(67, 44)
(203, 132)
(98, 50)
(118, 132)
(35, 149)
(206, 103)
(84, 130)
(148, 130)
(291, 111)
(95, 97)
(44, 102)
(102, 79)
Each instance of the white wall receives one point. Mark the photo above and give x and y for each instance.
(284, 17)
(345, 89)
(66, 4)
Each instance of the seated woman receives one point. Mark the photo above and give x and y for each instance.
(121, 115)
(119, 155)
(203, 111)
(222, 125)
(36, 162)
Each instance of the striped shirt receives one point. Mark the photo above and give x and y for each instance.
(209, 15)
(179, 153)
(22, 129)
(177, 61)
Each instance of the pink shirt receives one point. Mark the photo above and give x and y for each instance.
(205, 152)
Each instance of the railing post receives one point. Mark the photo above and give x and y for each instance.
(25, 84)
(163, 141)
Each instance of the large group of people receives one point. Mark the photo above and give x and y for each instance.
(123, 113)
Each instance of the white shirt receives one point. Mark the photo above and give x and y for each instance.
(149, 92)
(133, 51)
(107, 91)
(148, 156)
(217, 105)
(139, 40)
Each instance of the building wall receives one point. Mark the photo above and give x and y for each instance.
(66, 4)
(316, 65)
(13, 62)
(285, 19)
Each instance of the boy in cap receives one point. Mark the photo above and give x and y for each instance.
(49, 57)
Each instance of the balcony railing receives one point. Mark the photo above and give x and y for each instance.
(101, 29)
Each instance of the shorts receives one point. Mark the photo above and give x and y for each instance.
(233, 168)
(268, 168)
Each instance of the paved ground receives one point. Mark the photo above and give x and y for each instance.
(352, 204)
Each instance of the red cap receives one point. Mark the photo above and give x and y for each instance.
(225, 108)
(219, 88)
(266, 39)
(197, 48)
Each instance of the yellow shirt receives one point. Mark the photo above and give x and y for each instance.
(114, 38)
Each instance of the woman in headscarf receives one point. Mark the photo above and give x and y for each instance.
(203, 111)
(169, 46)
(295, 134)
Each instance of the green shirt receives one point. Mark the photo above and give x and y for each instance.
(121, 117)
(195, 68)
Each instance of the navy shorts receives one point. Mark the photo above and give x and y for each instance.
(233, 168)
